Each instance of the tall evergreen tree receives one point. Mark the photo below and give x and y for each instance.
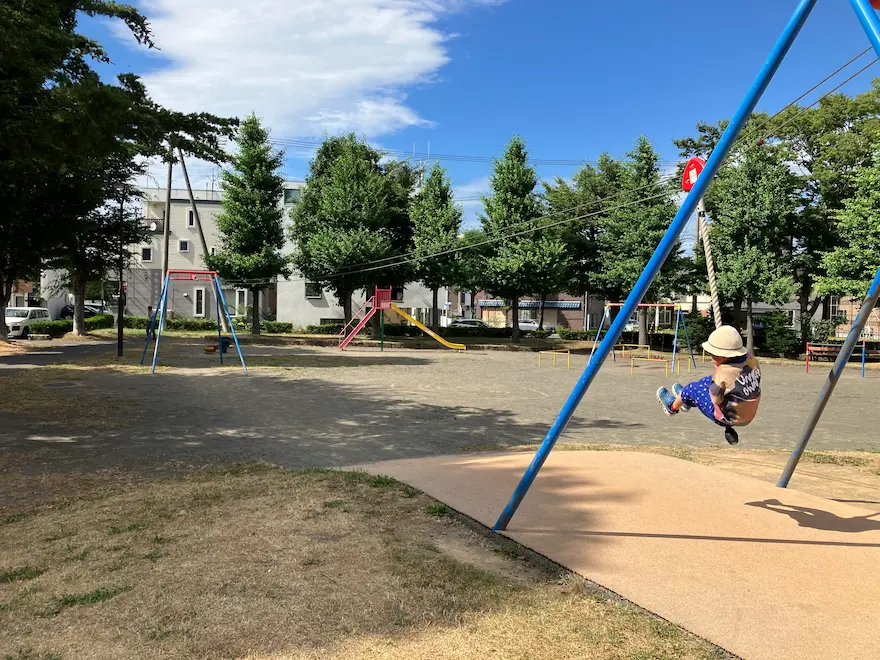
(436, 222)
(353, 220)
(851, 266)
(751, 207)
(512, 205)
(251, 223)
(635, 222)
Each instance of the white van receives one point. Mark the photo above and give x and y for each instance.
(19, 318)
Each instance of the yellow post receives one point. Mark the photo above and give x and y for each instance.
(569, 359)
(632, 366)
(539, 358)
(554, 358)
(666, 364)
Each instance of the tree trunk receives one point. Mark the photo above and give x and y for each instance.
(345, 299)
(643, 325)
(514, 320)
(5, 293)
(750, 330)
(435, 311)
(255, 311)
(694, 308)
(541, 312)
(474, 304)
(79, 305)
(737, 312)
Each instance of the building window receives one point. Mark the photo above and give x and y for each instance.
(199, 302)
(183, 246)
(146, 254)
(834, 311)
(291, 195)
(397, 293)
(213, 250)
(190, 218)
(313, 290)
(240, 302)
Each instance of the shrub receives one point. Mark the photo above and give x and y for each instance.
(200, 325)
(99, 321)
(576, 335)
(277, 327)
(537, 334)
(824, 330)
(699, 328)
(778, 337)
(54, 329)
(476, 332)
(136, 322)
(325, 329)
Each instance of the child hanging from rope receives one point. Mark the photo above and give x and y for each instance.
(730, 396)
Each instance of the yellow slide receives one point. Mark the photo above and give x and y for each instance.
(427, 331)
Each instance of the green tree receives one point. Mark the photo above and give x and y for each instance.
(470, 264)
(352, 223)
(68, 141)
(584, 207)
(252, 221)
(851, 266)
(751, 207)
(513, 203)
(436, 222)
(631, 230)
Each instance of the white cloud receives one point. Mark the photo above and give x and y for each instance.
(305, 67)
(468, 196)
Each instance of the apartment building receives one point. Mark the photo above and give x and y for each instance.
(293, 299)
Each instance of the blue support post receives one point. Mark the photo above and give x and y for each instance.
(660, 255)
(152, 320)
(161, 316)
(231, 325)
(675, 340)
(599, 331)
(219, 327)
(687, 338)
(843, 356)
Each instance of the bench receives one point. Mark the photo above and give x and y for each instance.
(32, 337)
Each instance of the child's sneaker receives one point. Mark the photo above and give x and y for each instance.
(666, 398)
(677, 389)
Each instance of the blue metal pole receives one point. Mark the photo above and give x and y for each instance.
(687, 338)
(868, 17)
(599, 331)
(843, 356)
(231, 325)
(663, 250)
(152, 322)
(161, 317)
(675, 340)
(219, 326)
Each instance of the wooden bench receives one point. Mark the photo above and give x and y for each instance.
(39, 337)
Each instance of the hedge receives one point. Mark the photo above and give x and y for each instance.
(276, 327)
(60, 328)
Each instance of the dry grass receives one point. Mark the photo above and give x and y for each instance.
(10, 348)
(61, 394)
(261, 563)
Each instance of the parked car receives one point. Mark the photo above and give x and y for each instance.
(67, 312)
(468, 323)
(18, 319)
(531, 324)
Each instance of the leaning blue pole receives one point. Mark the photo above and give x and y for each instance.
(161, 320)
(843, 356)
(667, 244)
(864, 354)
(219, 289)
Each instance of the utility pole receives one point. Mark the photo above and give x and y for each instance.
(120, 333)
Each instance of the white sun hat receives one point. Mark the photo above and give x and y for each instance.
(725, 342)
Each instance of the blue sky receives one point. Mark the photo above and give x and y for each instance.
(573, 77)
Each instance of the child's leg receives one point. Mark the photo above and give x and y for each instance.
(696, 395)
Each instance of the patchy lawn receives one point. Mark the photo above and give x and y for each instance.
(12, 348)
(263, 563)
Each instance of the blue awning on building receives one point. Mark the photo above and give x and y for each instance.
(534, 304)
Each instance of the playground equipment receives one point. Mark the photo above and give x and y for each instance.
(871, 24)
(554, 354)
(832, 350)
(680, 324)
(159, 318)
(381, 300)
(665, 361)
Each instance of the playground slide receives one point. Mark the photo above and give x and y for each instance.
(427, 331)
